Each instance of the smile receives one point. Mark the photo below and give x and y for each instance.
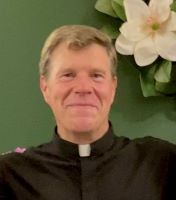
(83, 105)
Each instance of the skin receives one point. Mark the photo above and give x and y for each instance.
(80, 90)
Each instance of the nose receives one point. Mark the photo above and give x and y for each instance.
(83, 85)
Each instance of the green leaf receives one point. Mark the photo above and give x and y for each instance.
(105, 6)
(111, 27)
(148, 82)
(166, 88)
(173, 73)
(120, 2)
(163, 73)
(173, 6)
(119, 9)
(110, 30)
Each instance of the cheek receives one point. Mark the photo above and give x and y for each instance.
(107, 96)
(52, 97)
(110, 92)
(58, 97)
(113, 94)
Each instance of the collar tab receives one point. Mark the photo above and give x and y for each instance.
(84, 150)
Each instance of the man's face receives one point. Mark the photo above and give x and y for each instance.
(80, 88)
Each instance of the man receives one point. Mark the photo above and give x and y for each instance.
(85, 160)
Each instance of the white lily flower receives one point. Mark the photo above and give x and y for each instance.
(149, 32)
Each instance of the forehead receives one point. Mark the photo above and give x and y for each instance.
(93, 55)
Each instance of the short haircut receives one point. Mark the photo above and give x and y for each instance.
(76, 37)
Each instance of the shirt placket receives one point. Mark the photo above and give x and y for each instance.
(88, 179)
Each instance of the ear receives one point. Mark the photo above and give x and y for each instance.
(44, 88)
(115, 84)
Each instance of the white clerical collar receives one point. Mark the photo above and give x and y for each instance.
(84, 150)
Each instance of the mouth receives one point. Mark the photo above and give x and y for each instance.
(83, 105)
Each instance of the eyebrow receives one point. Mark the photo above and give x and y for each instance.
(69, 69)
(64, 70)
(98, 70)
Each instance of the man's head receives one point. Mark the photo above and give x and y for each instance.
(78, 80)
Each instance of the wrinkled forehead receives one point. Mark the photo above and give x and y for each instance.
(92, 56)
(67, 51)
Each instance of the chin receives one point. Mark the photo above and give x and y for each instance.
(83, 125)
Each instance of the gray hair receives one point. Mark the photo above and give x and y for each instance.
(77, 37)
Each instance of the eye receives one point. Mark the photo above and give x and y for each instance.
(97, 76)
(67, 76)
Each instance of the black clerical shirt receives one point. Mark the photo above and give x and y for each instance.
(117, 169)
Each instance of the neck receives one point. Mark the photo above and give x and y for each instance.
(77, 137)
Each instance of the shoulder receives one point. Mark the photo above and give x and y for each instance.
(17, 159)
(5, 156)
(147, 146)
(21, 153)
(155, 148)
(16, 150)
(152, 143)
(148, 142)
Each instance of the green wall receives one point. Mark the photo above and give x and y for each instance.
(25, 120)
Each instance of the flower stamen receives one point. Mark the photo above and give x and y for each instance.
(155, 26)
(153, 23)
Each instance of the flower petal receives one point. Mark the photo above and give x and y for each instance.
(171, 23)
(136, 9)
(157, 3)
(124, 46)
(145, 52)
(160, 9)
(133, 30)
(166, 45)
